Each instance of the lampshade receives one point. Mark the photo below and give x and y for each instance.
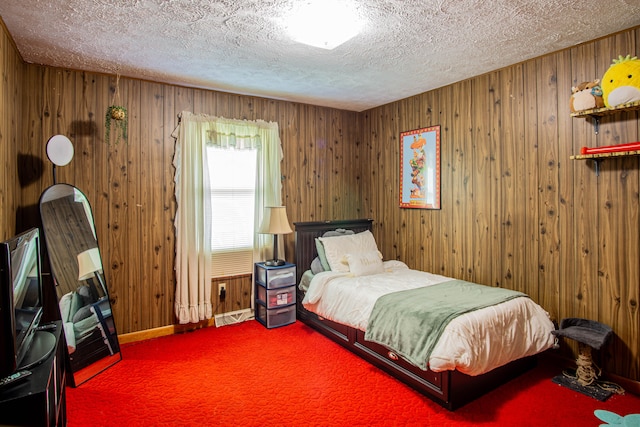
(275, 221)
(88, 263)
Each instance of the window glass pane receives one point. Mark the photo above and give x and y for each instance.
(233, 178)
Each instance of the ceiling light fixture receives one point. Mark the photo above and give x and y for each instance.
(324, 23)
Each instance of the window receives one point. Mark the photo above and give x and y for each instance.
(194, 254)
(232, 175)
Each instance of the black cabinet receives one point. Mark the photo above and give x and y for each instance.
(40, 399)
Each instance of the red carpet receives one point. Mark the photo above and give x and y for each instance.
(246, 375)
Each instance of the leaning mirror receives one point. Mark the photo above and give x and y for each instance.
(76, 268)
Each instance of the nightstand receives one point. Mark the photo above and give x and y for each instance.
(275, 294)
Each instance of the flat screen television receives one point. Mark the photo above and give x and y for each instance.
(21, 304)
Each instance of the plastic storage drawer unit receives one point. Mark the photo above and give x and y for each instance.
(275, 294)
(276, 297)
(276, 277)
(276, 316)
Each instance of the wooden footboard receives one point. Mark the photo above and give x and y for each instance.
(451, 389)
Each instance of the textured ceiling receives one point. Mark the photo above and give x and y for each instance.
(407, 46)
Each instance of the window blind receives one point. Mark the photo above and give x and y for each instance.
(233, 179)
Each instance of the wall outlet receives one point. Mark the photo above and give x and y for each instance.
(222, 290)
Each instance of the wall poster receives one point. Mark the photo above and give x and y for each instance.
(420, 168)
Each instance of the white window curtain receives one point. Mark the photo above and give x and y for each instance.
(192, 191)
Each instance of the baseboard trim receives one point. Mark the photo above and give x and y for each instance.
(163, 331)
(218, 320)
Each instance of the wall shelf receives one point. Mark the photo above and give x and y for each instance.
(602, 156)
(596, 113)
(597, 158)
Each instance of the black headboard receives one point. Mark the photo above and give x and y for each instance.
(306, 233)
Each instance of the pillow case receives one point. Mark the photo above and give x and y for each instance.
(337, 232)
(336, 248)
(82, 314)
(321, 255)
(316, 266)
(365, 263)
(320, 247)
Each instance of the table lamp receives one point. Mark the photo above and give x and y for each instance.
(275, 222)
(90, 265)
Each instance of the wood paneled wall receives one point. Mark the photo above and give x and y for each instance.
(516, 211)
(130, 185)
(17, 168)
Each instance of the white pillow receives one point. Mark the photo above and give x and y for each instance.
(336, 248)
(365, 263)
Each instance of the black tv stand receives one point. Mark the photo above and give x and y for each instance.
(39, 399)
(43, 344)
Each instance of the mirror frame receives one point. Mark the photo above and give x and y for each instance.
(76, 269)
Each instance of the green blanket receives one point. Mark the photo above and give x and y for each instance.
(411, 322)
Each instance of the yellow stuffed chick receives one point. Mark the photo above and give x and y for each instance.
(621, 82)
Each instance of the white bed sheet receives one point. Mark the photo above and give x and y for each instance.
(473, 343)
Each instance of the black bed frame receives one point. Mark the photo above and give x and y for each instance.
(451, 389)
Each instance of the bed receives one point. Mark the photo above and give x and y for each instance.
(323, 305)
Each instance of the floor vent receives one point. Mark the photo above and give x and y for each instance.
(233, 317)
